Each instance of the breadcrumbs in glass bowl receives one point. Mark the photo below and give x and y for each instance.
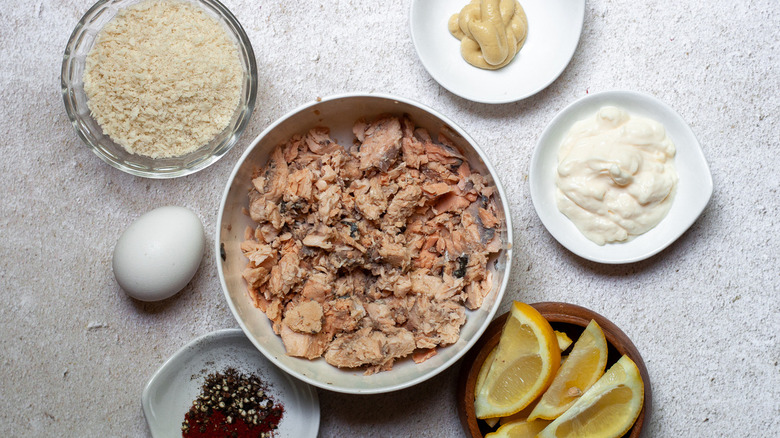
(158, 106)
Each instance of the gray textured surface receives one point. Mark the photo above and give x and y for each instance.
(75, 352)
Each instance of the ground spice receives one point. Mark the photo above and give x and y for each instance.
(232, 404)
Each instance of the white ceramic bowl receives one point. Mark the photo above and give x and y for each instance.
(172, 389)
(339, 114)
(694, 188)
(554, 28)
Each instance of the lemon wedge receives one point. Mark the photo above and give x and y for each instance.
(526, 359)
(519, 429)
(583, 367)
(522, 415)
(481, 381)
(483, 371)
(608, 409)
(563, 343)
(563, 340)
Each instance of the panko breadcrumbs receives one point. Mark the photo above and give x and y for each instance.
(163, 78)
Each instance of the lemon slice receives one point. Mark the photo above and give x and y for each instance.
(583, 367)
(491, 422)
(608, 409)
(526, 359)
(522, 415)
(563, 340)
(483, 371)
(563, 343)
(519, 429)
(481, 381)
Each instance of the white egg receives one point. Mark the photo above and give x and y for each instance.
(159, 253)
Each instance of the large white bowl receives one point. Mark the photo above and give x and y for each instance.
(339, 114)
(694, 187)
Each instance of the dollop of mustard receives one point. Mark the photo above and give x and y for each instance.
(491, 32)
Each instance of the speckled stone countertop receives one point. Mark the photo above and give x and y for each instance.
(76, 352)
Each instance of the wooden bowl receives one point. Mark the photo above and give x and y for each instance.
(568, 318)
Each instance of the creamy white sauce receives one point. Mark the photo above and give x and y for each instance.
(616, 177)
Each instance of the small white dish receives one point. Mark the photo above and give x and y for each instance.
(171, 390)
(554, 28)
(694, 187)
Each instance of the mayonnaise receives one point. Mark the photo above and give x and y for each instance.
(491, 32)
(616, 177)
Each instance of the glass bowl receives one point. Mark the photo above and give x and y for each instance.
(87, 128)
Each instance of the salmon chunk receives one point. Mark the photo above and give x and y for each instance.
(380, 142)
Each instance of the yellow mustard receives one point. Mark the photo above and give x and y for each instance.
(491, 32)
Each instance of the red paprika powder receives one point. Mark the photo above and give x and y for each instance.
(232, 404)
